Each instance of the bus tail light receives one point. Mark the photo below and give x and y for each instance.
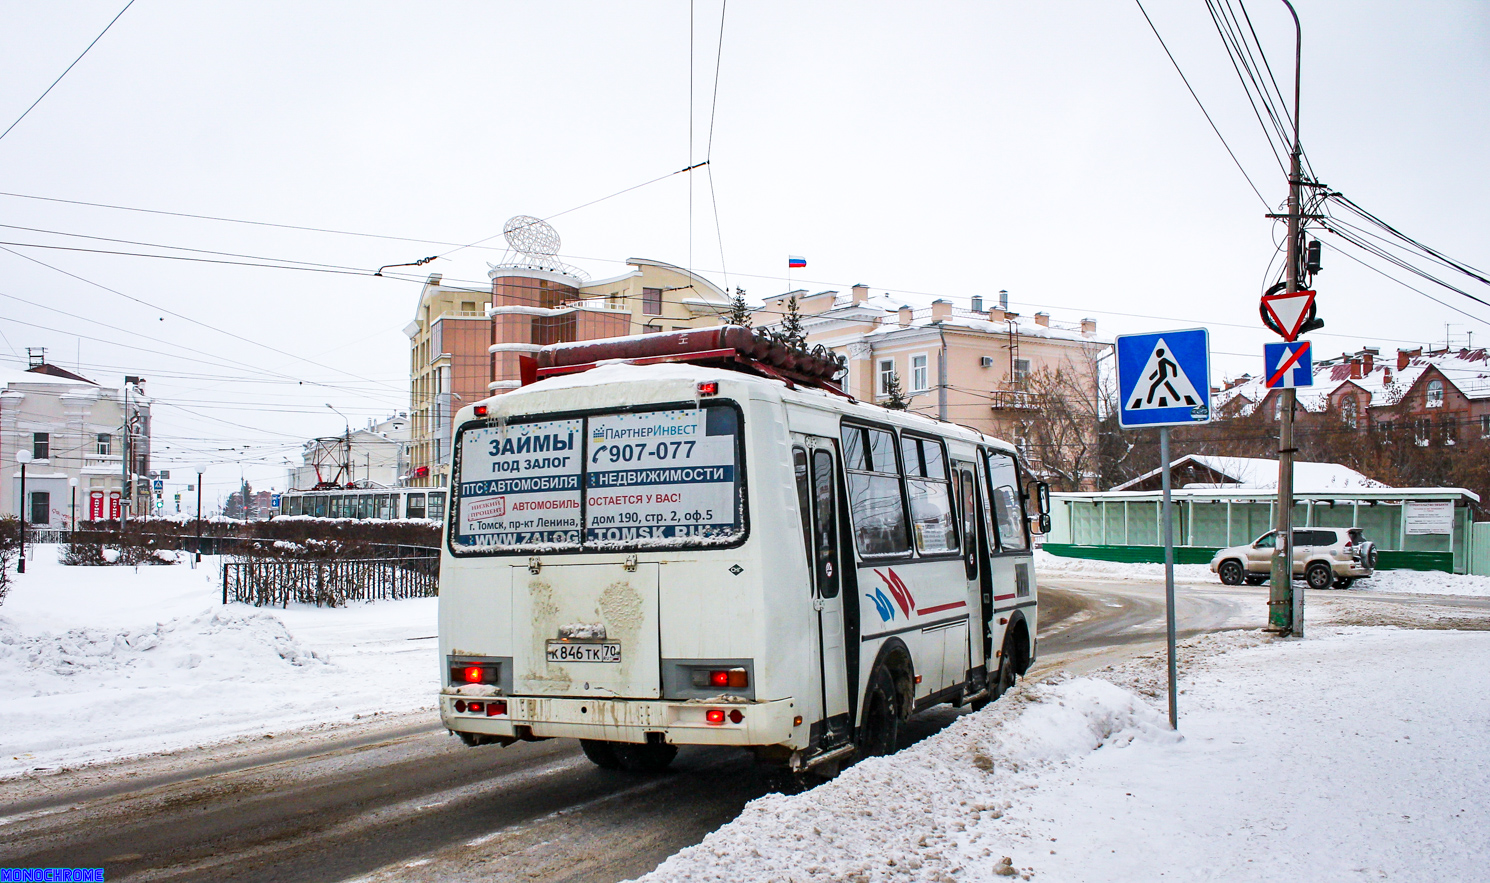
(714, 716)
(708, 387)
(736, 715)
(496, 707)
(460, 706)
(473, 674)
(481, 410)
(729, 678)
(476, 707)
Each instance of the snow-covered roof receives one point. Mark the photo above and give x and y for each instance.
(886, 308)
(9, 376)
(1255, 473)
(1385, 384)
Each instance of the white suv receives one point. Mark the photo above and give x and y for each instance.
(1323, 556)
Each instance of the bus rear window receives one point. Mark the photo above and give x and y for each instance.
(660, 478)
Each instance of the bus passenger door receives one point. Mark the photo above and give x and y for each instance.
(975, 559)
(827, 577)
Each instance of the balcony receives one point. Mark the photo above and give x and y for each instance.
(1014, 400)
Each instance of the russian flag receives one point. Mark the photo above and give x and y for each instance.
(795, 261)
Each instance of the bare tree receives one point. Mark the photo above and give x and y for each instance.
(1059, 416)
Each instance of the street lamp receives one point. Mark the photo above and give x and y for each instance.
(23, 457)
(73, 483)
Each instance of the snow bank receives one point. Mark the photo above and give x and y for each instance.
(913, 815)
(104, 662)
(1402, 581)
(1353, 755)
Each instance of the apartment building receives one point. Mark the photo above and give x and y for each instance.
(465, 344)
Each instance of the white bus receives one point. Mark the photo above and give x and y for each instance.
(642, 556)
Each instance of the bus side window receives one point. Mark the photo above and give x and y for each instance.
(826, 562)
(969, 520)
(437, 505)
(926, 482)
(415, 506)
(804, 503)
(1008, 510)
(877, 508)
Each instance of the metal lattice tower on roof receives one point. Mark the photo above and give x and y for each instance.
(533, 244)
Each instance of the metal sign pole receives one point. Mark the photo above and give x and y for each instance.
(1174, 713)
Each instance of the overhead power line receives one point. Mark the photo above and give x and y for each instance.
(69, 67)
(1201, 105)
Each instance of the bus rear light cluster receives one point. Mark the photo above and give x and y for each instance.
(492, 708)
(721, 678)
(708, 387)
(461, 674)
(481, 410)
(717, 716)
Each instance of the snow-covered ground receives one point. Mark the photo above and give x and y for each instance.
(104, 662)
(1356, 754)
(1403, 581)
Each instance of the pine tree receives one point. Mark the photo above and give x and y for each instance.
(739, 312)
(791, 327)
(895, 398)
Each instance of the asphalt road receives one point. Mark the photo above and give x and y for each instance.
(409, 802)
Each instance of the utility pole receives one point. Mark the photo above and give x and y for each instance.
(1285, 606)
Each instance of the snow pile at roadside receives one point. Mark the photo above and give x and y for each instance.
(1355, 754)
(914, 815)
(1414, 582)
(237, 644)
(105, 662)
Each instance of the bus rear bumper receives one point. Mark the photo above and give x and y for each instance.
(631, 720)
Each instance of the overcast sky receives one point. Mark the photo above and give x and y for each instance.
(927, 149)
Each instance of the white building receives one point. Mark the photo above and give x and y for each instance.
(377, 456)
(74, 430)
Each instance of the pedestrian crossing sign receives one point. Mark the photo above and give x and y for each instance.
(1164, 378)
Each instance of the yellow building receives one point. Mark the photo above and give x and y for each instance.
(1023, 378)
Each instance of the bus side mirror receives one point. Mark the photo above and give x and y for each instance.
(1042, 508)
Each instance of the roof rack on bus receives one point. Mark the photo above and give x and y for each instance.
(732, 347)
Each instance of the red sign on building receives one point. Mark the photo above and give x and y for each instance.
(114, 505)
(95, 504)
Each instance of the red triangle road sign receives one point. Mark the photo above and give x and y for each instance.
(1289, 310)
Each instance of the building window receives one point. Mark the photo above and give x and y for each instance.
(1277, 407)
(651, 329)
(1021, 370)
(886, 371)
(1384, 427)
(105, 444)
(1485, 426)
(1350, 411)
(1435, 394)
(652, 301)
(41, 507)
(1450, 429)
(41, 445)
(1422, 430)
(919, 379)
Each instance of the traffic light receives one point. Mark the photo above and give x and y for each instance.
(1311, 259)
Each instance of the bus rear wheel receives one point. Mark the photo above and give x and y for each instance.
(602, 754)
(880, 733)
(650, 757)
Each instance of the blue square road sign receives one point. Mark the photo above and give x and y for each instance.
(1287, 365)
(1164, 378)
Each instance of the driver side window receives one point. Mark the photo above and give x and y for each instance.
(1266, 541)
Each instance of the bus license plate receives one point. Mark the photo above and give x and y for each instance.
(588, 651)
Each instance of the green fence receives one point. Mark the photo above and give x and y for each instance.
(1385, 560)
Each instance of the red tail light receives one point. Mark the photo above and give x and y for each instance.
(733, 678)
(481, 410)
(475, 707)
(473, 674)
(714, 716)
(708, 387)
(460, 706)
(736, 715)
(495, 708)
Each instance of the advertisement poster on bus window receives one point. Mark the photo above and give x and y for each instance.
(519, 484)
(660, 474)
